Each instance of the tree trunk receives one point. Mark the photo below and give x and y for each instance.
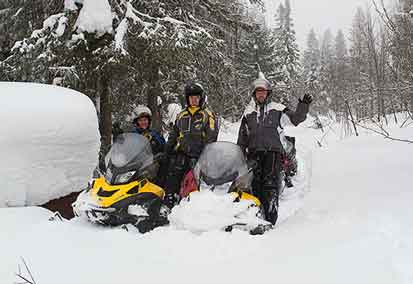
(154, 90)
(371, 107)
(378, 106)
(105, 116)
(411, 101)
(352, 118)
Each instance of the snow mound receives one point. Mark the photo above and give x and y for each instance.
(208, 211)
(49, 142)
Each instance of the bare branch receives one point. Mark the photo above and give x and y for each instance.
(26, 281)
(385, 134)
(19, 274)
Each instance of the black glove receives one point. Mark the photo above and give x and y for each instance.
(307, 99)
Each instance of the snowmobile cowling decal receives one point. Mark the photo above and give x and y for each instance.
(119, 192)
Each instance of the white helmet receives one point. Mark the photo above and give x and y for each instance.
(142, 110)
(261, 82)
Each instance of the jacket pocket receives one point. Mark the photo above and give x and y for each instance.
(185, 124)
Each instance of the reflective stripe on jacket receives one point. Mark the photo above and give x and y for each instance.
(193, 129)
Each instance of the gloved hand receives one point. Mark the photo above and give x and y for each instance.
(307, 99)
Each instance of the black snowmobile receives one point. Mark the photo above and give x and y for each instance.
(289, 160)
(124, 193)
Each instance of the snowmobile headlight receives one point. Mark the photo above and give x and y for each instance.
(125, 177)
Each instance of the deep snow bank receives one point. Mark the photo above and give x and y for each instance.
(48, 145)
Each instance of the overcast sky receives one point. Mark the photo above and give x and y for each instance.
(318, 14)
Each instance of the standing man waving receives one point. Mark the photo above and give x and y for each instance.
(259, 138)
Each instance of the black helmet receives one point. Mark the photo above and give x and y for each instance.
(194, 89)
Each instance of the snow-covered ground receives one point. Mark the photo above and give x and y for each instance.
(354, 225)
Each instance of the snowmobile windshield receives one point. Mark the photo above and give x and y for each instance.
(221, 163)
(130, 150)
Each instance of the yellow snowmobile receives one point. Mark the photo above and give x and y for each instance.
(124, 193)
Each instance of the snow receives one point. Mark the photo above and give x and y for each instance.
(61, 26)
(207, 211)
(355, 225)
(95, 17)
(49, 144)
(172, 112)
(22, 46)
(159, 100)
(49, 24)
(121, 32)
(70, 5)
(18, 12)
(51, 21)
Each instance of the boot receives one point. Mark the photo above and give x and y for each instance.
(288, 182)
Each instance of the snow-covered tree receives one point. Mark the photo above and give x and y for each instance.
(341, 73)
(287, 57)
(122, 52)
(311, 58)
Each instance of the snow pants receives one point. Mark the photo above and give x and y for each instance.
(179, 165)
(266, 183)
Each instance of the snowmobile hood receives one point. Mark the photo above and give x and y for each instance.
(130, 149)
(221, 163)
(105, 195)
(130, 158)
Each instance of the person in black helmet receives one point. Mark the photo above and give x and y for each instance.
(194, 127)
(259, 138)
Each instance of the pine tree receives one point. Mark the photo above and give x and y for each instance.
(256, 46)
(341, 73)
(287, 57)
(311, 59)
(326, 68)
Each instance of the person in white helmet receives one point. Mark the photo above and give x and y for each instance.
(142, 125)
(260, 140)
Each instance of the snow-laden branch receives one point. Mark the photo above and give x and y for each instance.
(95, 17)
(121, 32)
(56, 23)
(153, 25)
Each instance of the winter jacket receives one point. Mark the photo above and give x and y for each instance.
(155, 139)
(259, 130)
(193, 129)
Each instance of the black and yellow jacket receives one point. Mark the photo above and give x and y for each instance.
(193, 129)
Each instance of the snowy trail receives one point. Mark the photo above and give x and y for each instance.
(355, 226)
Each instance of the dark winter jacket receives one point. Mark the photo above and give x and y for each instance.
(193, 129)
(155, 139)
(260, 123)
